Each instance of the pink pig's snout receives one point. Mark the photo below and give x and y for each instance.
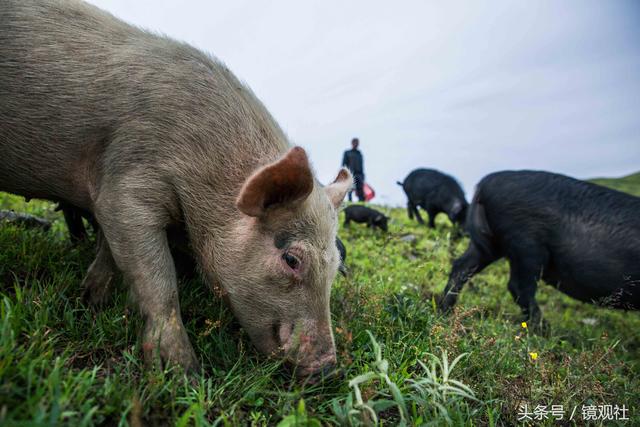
(309, 349)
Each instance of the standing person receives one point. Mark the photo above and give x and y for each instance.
(352, 159)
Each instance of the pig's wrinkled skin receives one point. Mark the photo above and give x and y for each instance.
(144, 133)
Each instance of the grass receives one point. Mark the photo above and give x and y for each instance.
(63, 364)
(629, 184)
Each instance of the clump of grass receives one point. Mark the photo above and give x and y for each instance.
(437, 389)
(359, 411)
(431, 393)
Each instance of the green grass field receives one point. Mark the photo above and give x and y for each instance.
(63, 364)
(629, 184)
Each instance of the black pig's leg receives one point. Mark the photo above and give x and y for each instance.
(432, 217)
(410, 209)
(513, 285)
(417, 214)
(73, 218)
(471, 262)
(523, 283)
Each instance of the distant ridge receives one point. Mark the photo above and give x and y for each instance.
(629, 184)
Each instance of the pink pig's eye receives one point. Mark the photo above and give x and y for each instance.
(292, 261)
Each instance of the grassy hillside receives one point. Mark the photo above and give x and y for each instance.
(61, 363)
(629, 184)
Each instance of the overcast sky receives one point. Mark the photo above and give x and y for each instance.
(466, 87)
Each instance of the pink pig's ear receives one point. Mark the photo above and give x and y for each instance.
(285, 181)
(339, 188)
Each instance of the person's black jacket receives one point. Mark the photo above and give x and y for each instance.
(352, 159)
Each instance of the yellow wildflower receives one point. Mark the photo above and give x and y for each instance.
(524, 325)
(533, 355)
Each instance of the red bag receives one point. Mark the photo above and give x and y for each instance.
(369, 193)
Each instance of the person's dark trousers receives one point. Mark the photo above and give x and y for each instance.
(359, 181)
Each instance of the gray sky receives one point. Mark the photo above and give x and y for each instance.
(466, 87)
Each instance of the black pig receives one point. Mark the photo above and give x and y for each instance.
(434, 192)
(581, 238)
(363, 214)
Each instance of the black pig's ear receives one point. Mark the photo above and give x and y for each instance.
(286, 181)
(339, 188)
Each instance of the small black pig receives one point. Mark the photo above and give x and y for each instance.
(363, 214)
